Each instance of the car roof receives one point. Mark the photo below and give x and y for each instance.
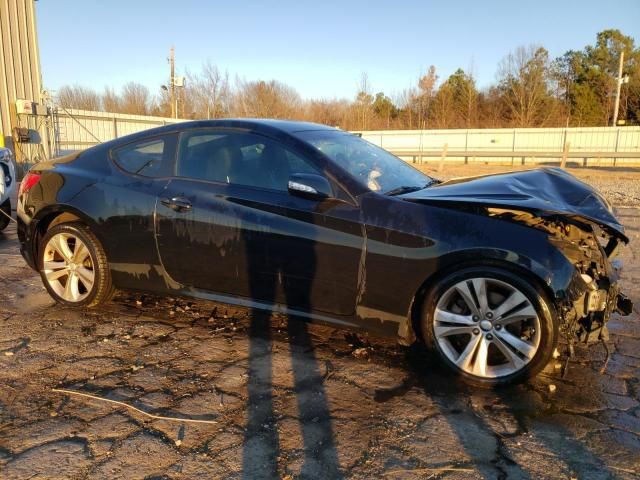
(266, 126)
(289, 126)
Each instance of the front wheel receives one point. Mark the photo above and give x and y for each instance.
(73, 266)
(489, 326)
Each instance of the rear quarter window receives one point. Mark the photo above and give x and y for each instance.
(151, 157)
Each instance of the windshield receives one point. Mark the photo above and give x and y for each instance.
(374, 167)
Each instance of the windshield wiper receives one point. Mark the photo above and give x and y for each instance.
(405, 189)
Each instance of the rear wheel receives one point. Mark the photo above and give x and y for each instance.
(73, 266)
(489, 326)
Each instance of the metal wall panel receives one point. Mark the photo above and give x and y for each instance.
(80, 129)
(20, 72)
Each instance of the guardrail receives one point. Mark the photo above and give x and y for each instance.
(418, 156)
(600, 145)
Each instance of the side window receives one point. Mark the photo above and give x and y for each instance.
(150, 157)
(238, 158)
(298, 165)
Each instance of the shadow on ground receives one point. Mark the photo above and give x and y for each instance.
(287, 400)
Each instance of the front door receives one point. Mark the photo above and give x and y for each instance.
(226, 223)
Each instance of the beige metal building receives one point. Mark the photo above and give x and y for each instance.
(21, 102)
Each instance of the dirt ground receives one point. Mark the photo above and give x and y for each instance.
(289, 400)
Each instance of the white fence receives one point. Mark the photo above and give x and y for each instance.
(603, 144)
(80, 129)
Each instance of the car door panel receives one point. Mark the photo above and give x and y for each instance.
(317, 249)
(206, 246)
(262, 244)
(238, 231)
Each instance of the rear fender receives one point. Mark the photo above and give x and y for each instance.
(54, 215)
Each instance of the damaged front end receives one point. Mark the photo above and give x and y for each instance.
(580, 223)
(593, 294)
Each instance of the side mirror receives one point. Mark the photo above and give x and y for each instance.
(309, 185)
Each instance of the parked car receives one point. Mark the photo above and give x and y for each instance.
(320, 224)
(7, 185)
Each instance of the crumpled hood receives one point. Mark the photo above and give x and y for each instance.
(543, 190)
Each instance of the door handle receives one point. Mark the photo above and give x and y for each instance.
(177, 204)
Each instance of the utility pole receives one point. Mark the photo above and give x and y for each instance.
(619, 86)
(172, 87)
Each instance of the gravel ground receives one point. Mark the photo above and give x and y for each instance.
(282, 399)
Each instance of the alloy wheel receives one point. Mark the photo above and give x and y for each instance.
(68, 267)
(487, 327)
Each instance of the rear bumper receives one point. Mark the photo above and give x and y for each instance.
(27, 241)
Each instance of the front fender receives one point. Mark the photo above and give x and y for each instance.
(553, 271)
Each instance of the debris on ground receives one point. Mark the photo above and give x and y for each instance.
(315, 403)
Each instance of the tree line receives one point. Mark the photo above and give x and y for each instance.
(531, 90)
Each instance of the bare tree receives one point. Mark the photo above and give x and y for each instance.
(110, 100)
(530, 91)
(135, 99)
(442, 111)
(265, 99)
(364, 101)
(425, 93)
(405, 101)
(75, 96)
(207, 94)
(329, 112)
(214, 91)
(523, 78)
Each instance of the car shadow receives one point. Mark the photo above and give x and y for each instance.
(261, 443)
(470, 412)
(261, 449)
(8, 237)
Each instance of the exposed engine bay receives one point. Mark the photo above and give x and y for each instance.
(594, 294)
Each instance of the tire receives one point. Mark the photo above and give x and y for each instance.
(6, 210)
(73, 275)
(506, 338)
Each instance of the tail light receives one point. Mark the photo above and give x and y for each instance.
(28, 182)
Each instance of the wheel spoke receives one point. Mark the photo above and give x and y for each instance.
(447, 331)
(466, 357)
(525, 313)
(480, 361)
(53, 265)
(60, 244)
(480, 286)
(512, 301)
(463, 289)
(521, 346)
(444, 316)
(513, 359)
(75, 286)
(53, 275)
(68, 289)
(81, 252)
(86, 277)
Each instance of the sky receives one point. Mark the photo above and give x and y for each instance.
(321, 47)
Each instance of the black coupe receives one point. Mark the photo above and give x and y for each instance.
(317, 223)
